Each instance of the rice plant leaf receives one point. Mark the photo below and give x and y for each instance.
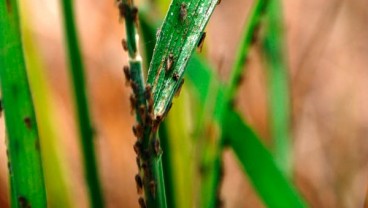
(179, 35)
(278, 85)
(25, 168)
(56, 177)
(270, 183)
(76, 69)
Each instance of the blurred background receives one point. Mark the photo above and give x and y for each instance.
(327, 49)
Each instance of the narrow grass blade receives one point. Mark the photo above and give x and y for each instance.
(55, 173)
(278, 85)
(83, 118)
(249, 34)
(179, 36)
(25, 169)
(270, 183)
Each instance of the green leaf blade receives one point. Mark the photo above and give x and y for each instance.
(255, 159)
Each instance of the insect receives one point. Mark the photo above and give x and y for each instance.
(127, 74)
(137, 148)
(141, 202)
(156, 146)
(177, 93)
(218, 2)
(183, 12)
(142, 111)
(148, 92)
(156, 123)
(138, 162)
(124, 44)
(137, 130)
(169, 62)
(134, 86)
(201, 41)
(121, 7)
(152, 186)
(176, 76)
(133, 102)
(135, 14)
(23, 202)
(139, 182)
(27, 121)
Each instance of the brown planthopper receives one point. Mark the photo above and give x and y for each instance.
(141, 202)
(139, 183)
(156, 146)
(133, 102)
(138, 148)
(201, 41)
(169, 62)
(27, 122)
(127, 74)
(183, 12)
(152, 186)
(138, 130)
(176, 76)
(124, 44)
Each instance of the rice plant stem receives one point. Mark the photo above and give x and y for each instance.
(79, 87)
(149, 162)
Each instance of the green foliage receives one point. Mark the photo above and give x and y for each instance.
(274, 51)
(56, 179)
(25, 169)
(200, 126)
(83, 118)
(267, 179)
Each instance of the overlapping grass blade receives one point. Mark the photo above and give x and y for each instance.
(267, 179)
(278, 85)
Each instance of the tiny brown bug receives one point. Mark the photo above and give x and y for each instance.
(201, 41)
(27, 121)
(139, 182)
(137, 148)
(23, 202)
(138, 162)
(137, 131)
(176, 76)
(177, 93)
(183, 12)
(156, 123)
(135, 14)
(141, 202)
(127, 74)
(152, 186)
(121, 7)
(142, 111)
(218, 2)
(156, 146)
(124, 44)
(134, 86)
(169, 62)
(133, 102)
(150, 105)
(148, 92)
(149, 119)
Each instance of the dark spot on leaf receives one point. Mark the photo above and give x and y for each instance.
(23, 202)
(27, 122)
(9, 6)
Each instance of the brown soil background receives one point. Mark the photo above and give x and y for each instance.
(327, 54)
